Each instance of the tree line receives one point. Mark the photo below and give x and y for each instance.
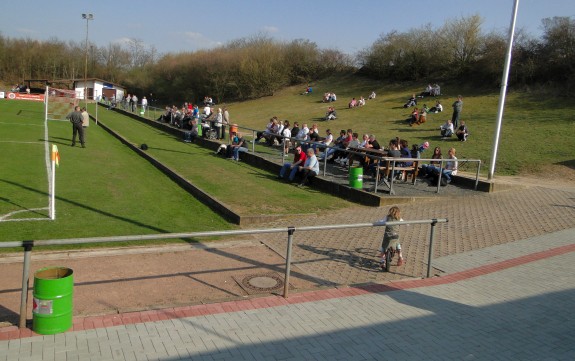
(259, 65)
(459, 51)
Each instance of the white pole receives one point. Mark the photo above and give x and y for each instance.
(97, 106)
(504, 79)
(53, 191)
(46, 100)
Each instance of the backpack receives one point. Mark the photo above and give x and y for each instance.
(435, 179)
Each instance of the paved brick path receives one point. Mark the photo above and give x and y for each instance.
(518, 309)
(475, 222)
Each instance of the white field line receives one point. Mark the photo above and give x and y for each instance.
(3, 218)
(18, 142)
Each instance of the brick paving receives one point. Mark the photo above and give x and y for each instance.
(475, 222)
(517, 309)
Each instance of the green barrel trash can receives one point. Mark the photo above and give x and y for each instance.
(52, 305)
(356, 177)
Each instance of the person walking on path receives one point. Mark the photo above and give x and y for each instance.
(457, 107)
(76, 119)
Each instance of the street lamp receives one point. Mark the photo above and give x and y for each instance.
(87, 17)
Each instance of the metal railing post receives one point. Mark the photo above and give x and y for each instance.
(439, 177)
(288, 261)
(477, 175)
(430, 247)
(25, 280)
(377, 177)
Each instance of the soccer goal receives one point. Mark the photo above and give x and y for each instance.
(59, 102)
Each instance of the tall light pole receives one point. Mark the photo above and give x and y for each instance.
(87, 17)
(503, 92)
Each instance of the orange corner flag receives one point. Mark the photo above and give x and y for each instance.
(55, 154)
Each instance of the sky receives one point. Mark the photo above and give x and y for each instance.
(173, 26)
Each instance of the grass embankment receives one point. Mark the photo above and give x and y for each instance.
(537, 131)
(246, 189)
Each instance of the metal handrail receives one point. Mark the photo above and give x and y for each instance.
(29, 245)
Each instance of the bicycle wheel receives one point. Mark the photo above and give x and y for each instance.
(388, 258)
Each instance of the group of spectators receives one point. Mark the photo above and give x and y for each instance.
(128, 103)
(431, 91)
(211, 121)
(309, 148)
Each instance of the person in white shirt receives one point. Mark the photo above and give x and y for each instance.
(134, 103)
(206, 112)
(450, 168)
(446, 129)
(144, 104)
(438, 108)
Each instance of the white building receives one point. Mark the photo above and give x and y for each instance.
(96, 88)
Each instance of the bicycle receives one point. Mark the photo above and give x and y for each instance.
(389, 254)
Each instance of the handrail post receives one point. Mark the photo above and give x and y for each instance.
(25, 280)
(254, 142)
(439, 177)
(477, 174)
(288, 261)
(377, 175)
(430, 247)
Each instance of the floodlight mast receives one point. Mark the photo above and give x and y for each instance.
(503, 92)
(86, 17)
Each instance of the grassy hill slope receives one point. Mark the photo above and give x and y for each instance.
(536, 135)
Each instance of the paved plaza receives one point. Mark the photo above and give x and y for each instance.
(503, 288)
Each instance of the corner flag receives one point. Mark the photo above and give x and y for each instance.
(55, 155)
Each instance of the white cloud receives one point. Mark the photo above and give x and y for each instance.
(27, 31)
(199, 40)
(270, 29)
(122, 41)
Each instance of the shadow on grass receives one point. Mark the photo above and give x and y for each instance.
(567, 163)
(60, 140)
(22, 207)
(140, 224)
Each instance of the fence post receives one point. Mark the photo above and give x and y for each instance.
(288, 261)
(431, 247)
(25, 278)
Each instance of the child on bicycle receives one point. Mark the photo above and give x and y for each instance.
(391, 237)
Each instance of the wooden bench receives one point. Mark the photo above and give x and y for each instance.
(387, 166)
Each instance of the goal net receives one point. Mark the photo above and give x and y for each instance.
(59, 102)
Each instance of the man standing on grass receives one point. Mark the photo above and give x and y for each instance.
(457, 106)
(76, 119)
(85, 118)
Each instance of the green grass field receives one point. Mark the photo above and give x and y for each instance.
(106, 189)
(102, 190)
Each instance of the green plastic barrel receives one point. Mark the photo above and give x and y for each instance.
(356, 177)
(52, 307)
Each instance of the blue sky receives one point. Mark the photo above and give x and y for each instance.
(189, 25)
